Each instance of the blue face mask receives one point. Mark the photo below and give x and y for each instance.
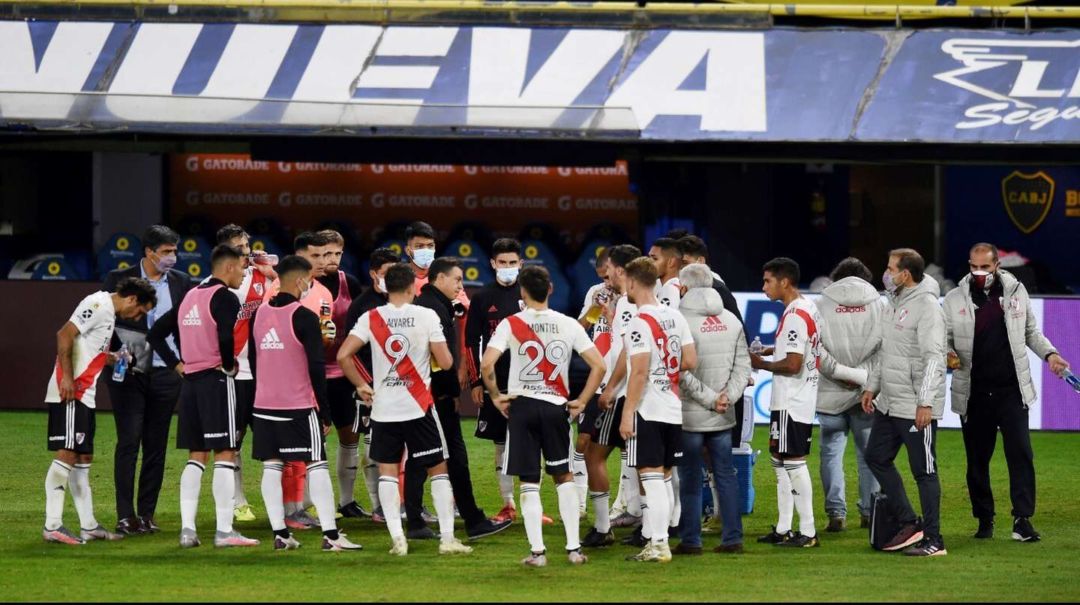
(507, 275)
(423, 257)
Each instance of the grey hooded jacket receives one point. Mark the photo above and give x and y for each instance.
(910, 370)
(723, 362)
(1019, 324)
(851, 312)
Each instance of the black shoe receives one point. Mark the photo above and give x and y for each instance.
(775, 538)
(729, 549)
(353, 510)
(486, 528)
(864, 522)
(686, 549)
(800, 541)
(836, 524)
(149, 525)
(423, 533)
(986, 529)
(1023, 531)
(928, 547)
(130, 526)
(635, 539)
(595, 539)
(909, 535)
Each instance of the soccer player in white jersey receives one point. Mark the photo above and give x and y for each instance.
(667, 258)
(404, 339)
(658, 346)
(592, 318)
(540, 342)
(794, 400)
(82, 353)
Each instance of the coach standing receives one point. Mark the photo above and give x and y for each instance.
(990, 327)
(909, 380)
(143, 403)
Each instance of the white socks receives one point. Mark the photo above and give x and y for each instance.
(442, 496)
(348, 459)
(79, 484)
(632, 491)
(803, 491)
(190, 484)
(570, 511)
(581, 478)
(322, 495)
(224, 487)
(56, 480)
(785, 501)
(273, 496)
(659, 508)
(620, 492)
(600, 500)
(371, 474)
(672, 484)
(506, 482)
(532, 512)
(391, 505)
(238, 484)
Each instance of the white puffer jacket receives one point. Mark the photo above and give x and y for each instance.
(723, 362)
(851, 334)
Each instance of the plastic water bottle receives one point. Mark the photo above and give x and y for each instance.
(264, 259)
(757, 347)
(1072, 379)
(121, 365)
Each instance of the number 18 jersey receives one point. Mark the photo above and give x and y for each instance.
(540, 344)
(660, 332)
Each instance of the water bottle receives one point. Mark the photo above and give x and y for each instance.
(757, 347)
(264, 259)
(1072, 379)
(121, 365)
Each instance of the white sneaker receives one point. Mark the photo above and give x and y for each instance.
(233, 539)
(188, 538)
(400, 548)
(99, 533)
(577, 557)
(535, 560)
(339, 545)
(649, 554)
(453, 547)
(289, 543)
(663, 553)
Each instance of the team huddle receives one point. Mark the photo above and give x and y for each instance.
(291, 348)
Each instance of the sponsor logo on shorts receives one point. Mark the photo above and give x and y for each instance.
(57, 438)
(293, 450)
(214, 435)
(437, 450)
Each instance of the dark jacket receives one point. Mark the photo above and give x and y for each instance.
(444, 383)
(490, 305)
(367, 301)
(133, 333)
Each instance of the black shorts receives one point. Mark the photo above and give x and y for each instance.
(422, 437)
(788, 437)
(288, 435)
(245, 402)
(344, 406)
(490, 423)
(536, 428)
(208, 414)
(589, 416)
(71, 427)
(607, 426)
(654, 444)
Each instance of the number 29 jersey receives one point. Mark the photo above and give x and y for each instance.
(540, 344)
(400, 340)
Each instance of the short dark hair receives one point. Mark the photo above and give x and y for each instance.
(991, 248)
(851, 267)
(694, 246)
(293, 264)
(308, 239)
(399, 278)
(382, 256)
(908, 259)
(642, 271)
(442, 266)
(677, 233)
(535, 281)
(332, 237)
(419, 229)
(782, 267)
(668, 245)
(621, 255)
(222, 253)
(156, 236)
(506, 245)
(138, 287)
(229, 232)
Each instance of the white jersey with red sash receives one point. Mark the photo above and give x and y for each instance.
(624, 312)
(339, 310)
(798, 333)
(251, 294)
(400, 340)
(660, 332)
(94, 318)
(540, 343)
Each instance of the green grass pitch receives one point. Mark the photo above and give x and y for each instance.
(843, 569)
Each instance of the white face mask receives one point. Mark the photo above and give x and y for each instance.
(423, 257)
(889, 282)
(381, 284)
(305, 288)
(507, 275)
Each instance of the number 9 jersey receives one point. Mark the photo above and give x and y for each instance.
(660, 332)
(540, 343)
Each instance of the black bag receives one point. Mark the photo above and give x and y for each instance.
(883, 525)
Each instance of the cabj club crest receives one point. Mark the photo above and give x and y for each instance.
(1027, 198)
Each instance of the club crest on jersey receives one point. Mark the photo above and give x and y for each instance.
(258, 288)
(903, 316)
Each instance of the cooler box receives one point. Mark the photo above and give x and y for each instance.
(745, 459)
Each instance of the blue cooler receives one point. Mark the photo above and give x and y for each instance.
(744, 474)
